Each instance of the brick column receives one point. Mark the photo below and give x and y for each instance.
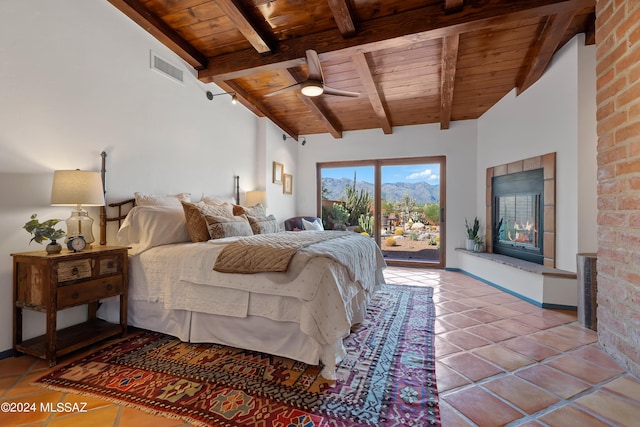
(618, 100)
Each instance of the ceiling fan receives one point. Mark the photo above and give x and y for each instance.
(314, 84)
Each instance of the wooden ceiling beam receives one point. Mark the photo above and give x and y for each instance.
(237, 14)
(453, 6)
(364, 71)
(315, 107)
(313, 104)
(401, 29)
(161, 31)
(320, 112)
(343, 14)
(256, 106)
(590, 34)
(448, 78)
(542, 52)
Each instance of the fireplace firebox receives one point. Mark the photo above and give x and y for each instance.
(518, 215)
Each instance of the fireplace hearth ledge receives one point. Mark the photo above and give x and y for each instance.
(540, 285)
(521, 264)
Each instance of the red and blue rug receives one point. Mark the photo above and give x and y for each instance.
(387, 378)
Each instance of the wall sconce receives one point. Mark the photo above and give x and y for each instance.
(285, 137)
(211, 95)
(77, 188)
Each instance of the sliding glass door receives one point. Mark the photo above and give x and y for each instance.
(397, 202)
(348, 201)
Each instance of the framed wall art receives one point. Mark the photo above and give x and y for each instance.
(278, 170)
(287, 183)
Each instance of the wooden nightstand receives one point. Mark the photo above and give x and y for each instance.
(48, 283)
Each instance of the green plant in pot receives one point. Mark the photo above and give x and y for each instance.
(472, 233)
(45, 230)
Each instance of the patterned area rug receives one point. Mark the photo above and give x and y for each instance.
(387, 378)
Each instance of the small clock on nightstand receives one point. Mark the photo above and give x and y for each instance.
(76, 243)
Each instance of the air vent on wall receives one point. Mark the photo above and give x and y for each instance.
(166, 68)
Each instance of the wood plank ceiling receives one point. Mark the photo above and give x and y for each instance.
(412, 61)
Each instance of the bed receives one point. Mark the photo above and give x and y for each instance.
(218, 290)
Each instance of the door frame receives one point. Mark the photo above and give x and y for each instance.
(377, 164)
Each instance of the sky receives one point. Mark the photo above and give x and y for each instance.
(390, 174)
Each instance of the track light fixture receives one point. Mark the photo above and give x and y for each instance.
(302, 142)
(234, 98)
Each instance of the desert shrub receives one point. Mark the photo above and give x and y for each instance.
(356, 203)
(413, 235)
(367, 223)
(338, 216)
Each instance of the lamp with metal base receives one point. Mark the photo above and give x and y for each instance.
(78, 188)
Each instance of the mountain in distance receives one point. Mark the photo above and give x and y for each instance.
(422, 192)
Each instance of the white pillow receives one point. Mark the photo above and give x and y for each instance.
(148, 226)
(312, 225)
(143, 199)
(217, 200)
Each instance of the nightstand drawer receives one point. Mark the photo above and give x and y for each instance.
(74, 270)
(110, 265)
(85, 292)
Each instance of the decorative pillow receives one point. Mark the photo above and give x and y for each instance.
(312, 225)
(222, 226)
(194, 214)
(148, 226)
(217, 200)
(255, 211)
(263, 224)
(143, 199)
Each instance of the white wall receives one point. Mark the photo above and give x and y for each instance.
(74, 81)
(281, 205)
(458, 144)
(556, 114)
(587, 148)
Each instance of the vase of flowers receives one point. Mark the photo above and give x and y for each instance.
(46, 230)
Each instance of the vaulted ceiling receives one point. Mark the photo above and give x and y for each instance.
(411, 61)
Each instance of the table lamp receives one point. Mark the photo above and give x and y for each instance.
(77, 188)
(252, 198)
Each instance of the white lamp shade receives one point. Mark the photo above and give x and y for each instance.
(252, 198)
(76, 187)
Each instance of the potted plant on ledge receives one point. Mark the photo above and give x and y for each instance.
(478, 244)
(472, 233)
(45, 231)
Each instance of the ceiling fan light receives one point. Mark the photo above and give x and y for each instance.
(312, 89)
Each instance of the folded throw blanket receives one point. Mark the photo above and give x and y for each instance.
(267, 252)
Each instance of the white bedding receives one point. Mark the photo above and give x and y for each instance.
(324, 292)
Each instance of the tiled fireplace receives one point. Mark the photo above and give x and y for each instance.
(520, 203)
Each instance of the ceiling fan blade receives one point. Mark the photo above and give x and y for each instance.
(315, 69)
(285, 89)
(339, 92)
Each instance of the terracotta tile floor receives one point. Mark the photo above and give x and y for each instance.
(500, 361)
(503, 361)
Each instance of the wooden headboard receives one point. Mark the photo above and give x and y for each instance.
(126, 205)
